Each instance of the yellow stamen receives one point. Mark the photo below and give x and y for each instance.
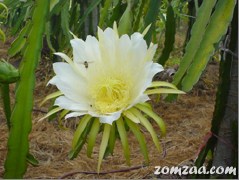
(110, 95)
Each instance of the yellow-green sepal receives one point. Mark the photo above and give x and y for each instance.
(51, 96)
(112, 139)
(80, 128)
(139, 136)
(92, 136)
(154, 116)
(148, 126)
(53, 111)
(163, 91)
(162, 84)
(81, 137)
(60, 120)
(124, 139)
(103, 145)
(131, 116)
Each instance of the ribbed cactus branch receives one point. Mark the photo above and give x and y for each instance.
(18, 142)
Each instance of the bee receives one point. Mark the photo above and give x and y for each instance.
(86, 63)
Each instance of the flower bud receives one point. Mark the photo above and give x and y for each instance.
(8, 73)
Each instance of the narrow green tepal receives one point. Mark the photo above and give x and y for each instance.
(216, 28)
(18, 142)
(124, 139)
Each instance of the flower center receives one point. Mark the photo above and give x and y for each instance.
(110, 95)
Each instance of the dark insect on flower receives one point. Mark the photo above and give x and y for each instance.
(86, 63)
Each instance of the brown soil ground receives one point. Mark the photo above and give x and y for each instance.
(188, 121)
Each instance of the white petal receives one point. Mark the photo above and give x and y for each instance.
(68, 104)
(64, 56)
(69, 82)
(152, 69)
(52, 81)
(108, 41)
(136, 37)
(92, 49)
(110, 118)
(79, 54)
(139, 47)
(69, 61)
(143, 80)
(150, 52)
(124, 51)
(74, 114)
(140, 99)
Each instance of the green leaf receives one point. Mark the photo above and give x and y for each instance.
(140, 138)
(92, 136)
(169, 35)
(18, 142)
(216, 28)
(197, 34)
(103, 145)
(124, 139)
